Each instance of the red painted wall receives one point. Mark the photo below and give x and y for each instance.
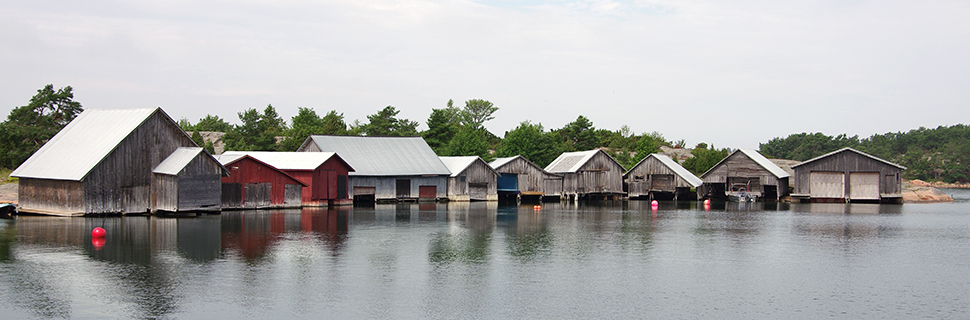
(322, 181)
(247, 170)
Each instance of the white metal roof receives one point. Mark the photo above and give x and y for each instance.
(498, 162)
(571, 161)
(82, 144)
(458, 164)
(767, 164)
(851, 150)
(676, 167)
(285, 160)
(384, 156)
(773, 168)
(177, 160)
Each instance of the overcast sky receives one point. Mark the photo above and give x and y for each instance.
(729, 73)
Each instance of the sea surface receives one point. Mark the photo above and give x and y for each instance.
(611, 260)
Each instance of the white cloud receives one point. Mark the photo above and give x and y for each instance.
(733, 74)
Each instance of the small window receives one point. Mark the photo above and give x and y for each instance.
(462, 179)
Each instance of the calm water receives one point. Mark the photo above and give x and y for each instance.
(608, 260)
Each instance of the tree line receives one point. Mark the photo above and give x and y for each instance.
(930, 154)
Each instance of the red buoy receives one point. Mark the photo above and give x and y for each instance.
(98, 232)
(707, 202)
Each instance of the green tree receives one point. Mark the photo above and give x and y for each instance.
(333, 124)
(443, 124)
(477, 111)
(304, 124)
(580, 134)
(704, 159)
(29, 127)
(645, 146)
(197, 138)
(386, 124)
(469, 141)
(256, 132)
(213, 123)
(532, 142)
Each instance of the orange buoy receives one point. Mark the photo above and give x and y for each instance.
(98, 232)
(537, 207)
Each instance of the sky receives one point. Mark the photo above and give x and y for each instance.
(728, 73)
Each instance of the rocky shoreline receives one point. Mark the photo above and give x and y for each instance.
(918, 191)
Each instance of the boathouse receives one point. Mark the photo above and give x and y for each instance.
(848, 175)
(472, 179)
(256, 184)
(588, 174)
(188, 180)
(324, 173)
(103, 162)
(749, 170)
(387, 168)
(658, 176)
(520, 178)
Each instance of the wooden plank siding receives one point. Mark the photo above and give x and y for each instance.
(739, 167)
(532, 179)
(845, 164)
(58, 197)
(653, 175)
(247, 170)
(599, 175)
(122, 181)
(323, 185)
(477, 182)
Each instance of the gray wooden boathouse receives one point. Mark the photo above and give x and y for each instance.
(387, 168)
(588, 174)
(471, 179)
(103, 162)
(746, 169)
(520, 178)
(847, 175)
(659, 177)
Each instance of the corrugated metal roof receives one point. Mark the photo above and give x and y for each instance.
(678, 169)
(225, 159)
(82, 144)
(852, 150)
(177, 160)
(384, 156)
(286, 160)
(570, 161)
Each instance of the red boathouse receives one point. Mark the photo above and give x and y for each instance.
(256, 184)
(324, 173)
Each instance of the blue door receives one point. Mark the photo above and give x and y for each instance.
(508, 182)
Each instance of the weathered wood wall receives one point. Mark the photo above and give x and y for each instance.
(647, 176)
(200, 184)
(849, 162)
(477, 182)
(122, 181)
(532, 179)
(738, 165)
(51, 196)
(385, 187)
(598, 175)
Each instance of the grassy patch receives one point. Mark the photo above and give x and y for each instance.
(5, 176)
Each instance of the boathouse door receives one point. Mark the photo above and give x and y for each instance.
(864, 186)
(827, 185)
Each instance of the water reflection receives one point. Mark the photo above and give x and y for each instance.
(468, 235)
(252, 234)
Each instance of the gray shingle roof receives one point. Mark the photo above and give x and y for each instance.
(82, 144)
(384, 156)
